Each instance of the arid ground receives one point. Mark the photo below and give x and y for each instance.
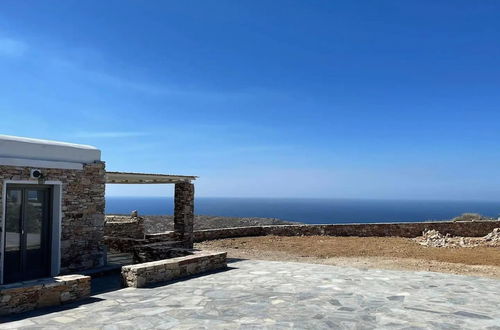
(364, 252)
(161, 223)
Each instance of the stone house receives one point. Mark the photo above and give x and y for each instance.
(52, 207)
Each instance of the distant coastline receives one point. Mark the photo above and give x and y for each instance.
(161, 223)
(309, 211)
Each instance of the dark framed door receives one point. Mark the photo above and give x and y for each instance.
(27, 232)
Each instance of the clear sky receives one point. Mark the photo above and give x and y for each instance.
(354, 99)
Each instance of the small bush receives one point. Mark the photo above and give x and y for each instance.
(471, 217)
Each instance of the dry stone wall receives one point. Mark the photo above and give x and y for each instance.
(148, 273)
(123, 245)
(124, 226)
(127, 234)
(410, 230)
(25, 296)
(82, 227)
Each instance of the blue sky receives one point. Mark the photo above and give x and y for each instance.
(334, 99)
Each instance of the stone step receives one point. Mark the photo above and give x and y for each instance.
(158, 251)
(165, 244)
(120, 258)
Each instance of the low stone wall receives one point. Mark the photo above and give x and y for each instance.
(141, 275)
(158, 251)
(124, 226)
(211, 234)
(25, 296)
(413, 229)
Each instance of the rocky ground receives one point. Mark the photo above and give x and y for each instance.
(477, 256)
(161, 223)
(364, 252)
(434, 238)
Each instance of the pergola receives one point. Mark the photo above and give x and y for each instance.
(183, 197)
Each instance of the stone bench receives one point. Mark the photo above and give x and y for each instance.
(25, 296)
(141, 275)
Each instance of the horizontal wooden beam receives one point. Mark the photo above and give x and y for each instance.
(145, 178)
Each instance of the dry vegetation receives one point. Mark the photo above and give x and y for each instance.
(161, 223)
(370, 252)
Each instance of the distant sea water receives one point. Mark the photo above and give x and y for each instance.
(311, 211)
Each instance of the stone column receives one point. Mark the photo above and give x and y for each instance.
(184, 212)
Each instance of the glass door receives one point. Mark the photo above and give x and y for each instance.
(27, 235)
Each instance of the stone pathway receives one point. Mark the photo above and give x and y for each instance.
(275, 295)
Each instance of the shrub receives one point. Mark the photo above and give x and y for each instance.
(471, 217)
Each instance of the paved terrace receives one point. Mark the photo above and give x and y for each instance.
(262, 294)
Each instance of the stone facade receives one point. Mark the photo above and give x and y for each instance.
(82, 226)
(24, 296)
(124, 226)
(148, 273)
(410, 230)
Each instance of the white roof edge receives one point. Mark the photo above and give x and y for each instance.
(45, 142)
(35, 163)
(15, 147)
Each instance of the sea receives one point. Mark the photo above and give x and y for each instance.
(309, 210)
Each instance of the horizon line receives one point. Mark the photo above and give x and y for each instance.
(319, 198)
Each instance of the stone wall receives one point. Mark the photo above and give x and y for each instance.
(124, 226)
(158, 251)
(25, 296)
(153, 247)
(82, 227)
(184, 212)
(127, 234)
(414, 229)
(148, 273)
(123, 244)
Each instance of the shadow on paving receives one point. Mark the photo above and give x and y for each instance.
(48, 310)
(102, 284)
(107, 283)
(235, 260)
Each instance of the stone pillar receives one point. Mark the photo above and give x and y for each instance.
(184, 212)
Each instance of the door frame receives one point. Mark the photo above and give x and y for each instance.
(55, 230)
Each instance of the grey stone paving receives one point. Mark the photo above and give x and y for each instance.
(275, 295)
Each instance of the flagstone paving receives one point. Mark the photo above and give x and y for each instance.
(280, 295)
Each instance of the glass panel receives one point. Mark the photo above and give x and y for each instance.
(34, 218)
(32, 195)
(13, 221)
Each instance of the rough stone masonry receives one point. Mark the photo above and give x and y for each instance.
(184, 212)
(82, 226)
(126, 234)
(25, 296)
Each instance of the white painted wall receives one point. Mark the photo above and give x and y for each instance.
(14, 147)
